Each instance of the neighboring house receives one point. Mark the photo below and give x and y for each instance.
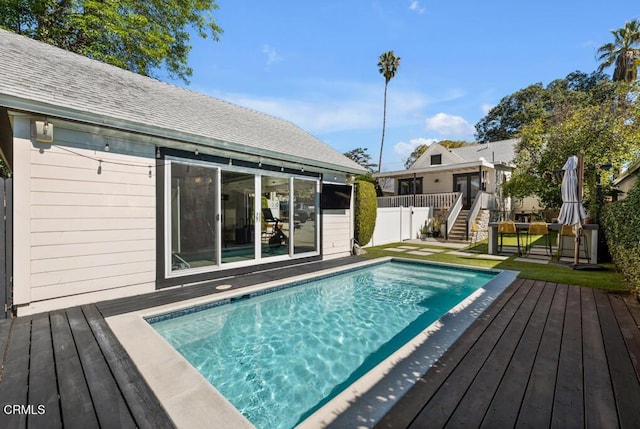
(441, 175)
(627, 180)
(467, 169)
(123, 184)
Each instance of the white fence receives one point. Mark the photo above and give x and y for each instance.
(394, 224)
(437, 201)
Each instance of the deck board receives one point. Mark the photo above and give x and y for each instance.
(571, 363)
(628, 327)
(600, 407)
(145, 408)
(504, 407)
(536, 408)
(438, 410)
(15, 375)
(42, 376)
(110, 407)
(473, 406)
(568, 404)
(75, 399)
(626, 386)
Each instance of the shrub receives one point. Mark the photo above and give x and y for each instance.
(621, 224)
(366, 210)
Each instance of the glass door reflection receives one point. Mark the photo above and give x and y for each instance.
(274, 228)
(237, 215)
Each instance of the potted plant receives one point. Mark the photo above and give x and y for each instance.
(424, 231)
(437, 222)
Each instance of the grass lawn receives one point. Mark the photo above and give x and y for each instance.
(608, 278)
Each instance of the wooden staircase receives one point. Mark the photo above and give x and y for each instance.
(459, 230)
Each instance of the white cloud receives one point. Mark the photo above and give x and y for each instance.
(272, 55)
(417, 7)
(338, 106)
(405, 149)
(449, 125)
(486, 108)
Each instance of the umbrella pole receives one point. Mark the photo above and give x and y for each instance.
(576, 231)
(576, 248)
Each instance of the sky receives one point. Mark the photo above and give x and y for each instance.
(314, 63)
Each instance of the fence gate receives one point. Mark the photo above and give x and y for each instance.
(6, 247)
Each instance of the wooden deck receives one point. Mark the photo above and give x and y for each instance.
(542, 355)
(69, 370)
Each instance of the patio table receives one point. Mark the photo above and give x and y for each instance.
(590, 232)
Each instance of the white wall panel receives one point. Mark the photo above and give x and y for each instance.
(91, 219)
(337, 233)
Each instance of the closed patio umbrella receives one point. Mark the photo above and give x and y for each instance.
(572, 211)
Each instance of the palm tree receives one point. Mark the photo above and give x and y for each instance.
(623, 52)
(388, 66)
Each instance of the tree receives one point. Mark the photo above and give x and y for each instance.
(366, 211)
(606, 133)
(387, 66)
(419, 150)
(413, 156)
(452, 144)
(622, 53)
(361, 157)
(506, 119)
(137, 35)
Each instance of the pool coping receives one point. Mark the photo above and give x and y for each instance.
(191, 401)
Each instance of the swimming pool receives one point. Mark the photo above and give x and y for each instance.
(281, 355)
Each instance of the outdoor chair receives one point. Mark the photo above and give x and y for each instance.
(475, 230)
(508, 228)
(567, 231)
(538, 228)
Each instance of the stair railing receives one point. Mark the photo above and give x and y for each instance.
(473, 212)
(452, 216)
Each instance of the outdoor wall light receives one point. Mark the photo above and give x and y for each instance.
(43, 131)
(106, 147)
(158, 154)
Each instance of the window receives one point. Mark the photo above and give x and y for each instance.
(436, 159)
(405, 186)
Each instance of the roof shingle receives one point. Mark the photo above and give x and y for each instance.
(43, 75)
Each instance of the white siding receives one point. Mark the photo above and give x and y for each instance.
(337, 232)
(92, 224)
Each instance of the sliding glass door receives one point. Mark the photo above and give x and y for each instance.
(305, 202)
(275, 215)
(193, 238)
(238, 195)
(220, 216)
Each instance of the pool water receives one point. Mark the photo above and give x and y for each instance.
(279, 356)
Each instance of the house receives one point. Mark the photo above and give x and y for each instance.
(451, 180)
(627, 179)
(123, 184)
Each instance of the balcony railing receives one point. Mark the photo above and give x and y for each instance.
(437, 201)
